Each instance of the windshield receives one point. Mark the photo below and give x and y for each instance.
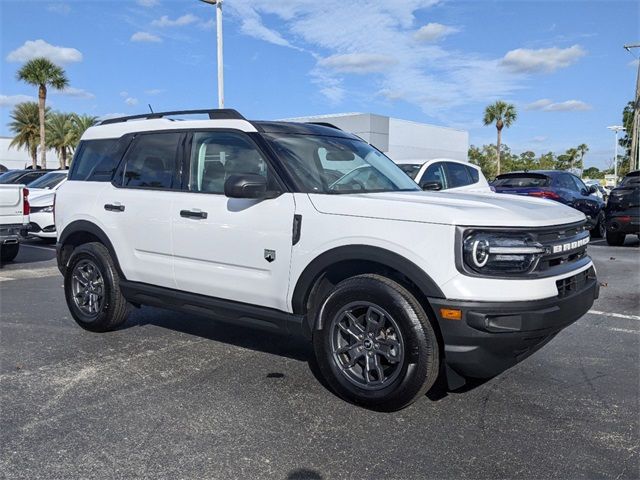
(48, 180)
(631, 179)
(522, 181)
(10, 176)
(410, 169)
(323, 164)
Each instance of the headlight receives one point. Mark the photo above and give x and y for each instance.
(498, 253)
(48, 208)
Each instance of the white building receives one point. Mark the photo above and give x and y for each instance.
(16, 158)
(401, 140)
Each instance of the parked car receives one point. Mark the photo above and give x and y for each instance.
(563, 187)
(245, 221)
(14, 217)
(623, 210)
(15, 177)
(3, 168)
(446, 174)
(600, 192)
(42, 196)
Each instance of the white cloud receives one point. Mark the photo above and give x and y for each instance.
(544, 60)
(75, 92)
(147, 3)
(434, 31)
(62, 8)
(131, 101)
(165, 21)
(145, 37)
(11, 100)
(154, 91)
(39, 48)
(124, 94)
(547, 105)
(357, 62)
(538, 139)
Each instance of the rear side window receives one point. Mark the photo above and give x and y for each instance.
(96, 160)
(458, 175)
(151, 161)
(473, 173)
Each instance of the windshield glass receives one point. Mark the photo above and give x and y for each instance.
(522, 181)
(410, 169)
(631, 179)
(323, 164)
(10, 176)
(48, 180)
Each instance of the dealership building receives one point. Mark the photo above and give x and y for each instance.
(401, 140)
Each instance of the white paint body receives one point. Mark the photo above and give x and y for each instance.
(223, 255)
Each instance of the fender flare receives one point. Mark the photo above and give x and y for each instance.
(387, 258)
(84, 226)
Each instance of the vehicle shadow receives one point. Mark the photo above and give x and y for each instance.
(289, 346)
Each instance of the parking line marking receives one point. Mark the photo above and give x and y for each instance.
(48, 249)
(617, 315)
(35, 273)
(624, 330)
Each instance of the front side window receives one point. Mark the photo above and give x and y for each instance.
(435, 173)
(579, 184)
(565, 181)
(333, 165)
(151, 161)
(458, 175)
(215, 156)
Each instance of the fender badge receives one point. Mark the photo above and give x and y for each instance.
(269, 255)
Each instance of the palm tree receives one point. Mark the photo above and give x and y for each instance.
(582, 149)
(25, 126)
(61, 136)
(80, 125)
(503, 114)
(43, 73)
(572, 155)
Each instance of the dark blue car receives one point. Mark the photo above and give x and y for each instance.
(563, 187)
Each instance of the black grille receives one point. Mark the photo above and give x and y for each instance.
(564, 235)
(570, 285)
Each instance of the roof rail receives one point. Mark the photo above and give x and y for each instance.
(325, 124)
(214, 114)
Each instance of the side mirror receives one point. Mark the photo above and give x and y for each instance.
(246, 185)
(592, 189)
(433, 186)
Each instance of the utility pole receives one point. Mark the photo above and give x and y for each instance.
(218, 5)
(635, 142)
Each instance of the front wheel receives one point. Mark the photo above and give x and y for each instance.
(92, 289)
(376, 346)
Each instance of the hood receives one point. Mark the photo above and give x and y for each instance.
(470, 209)
(41, 197)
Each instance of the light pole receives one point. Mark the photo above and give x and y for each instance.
(617, 129)
(218, 5)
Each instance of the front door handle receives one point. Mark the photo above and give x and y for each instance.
(193, 214)
(110, 207)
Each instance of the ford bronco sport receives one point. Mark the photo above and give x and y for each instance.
(264, 224)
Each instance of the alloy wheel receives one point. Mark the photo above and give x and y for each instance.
(87, 286)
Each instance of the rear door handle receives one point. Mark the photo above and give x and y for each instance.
(193, 214)
(110, 207)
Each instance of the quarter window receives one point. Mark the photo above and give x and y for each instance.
(215, 156)
(151, 161)
(96, 160)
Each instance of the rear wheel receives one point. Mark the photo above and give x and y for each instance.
(8, 252)
(377, 347)
(615, 239)
(92, 289)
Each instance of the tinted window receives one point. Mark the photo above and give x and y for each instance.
(29, 177)
(458, 175)
(10, 176)
(410, 169)
(217, 155)
(473, 173)
(151, 161)
(96, 160)
(578, 183)
(566, 181)
(629, 180)
(48, 180)
(434, 173)
(522, 180)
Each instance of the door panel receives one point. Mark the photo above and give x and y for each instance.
(236, 249)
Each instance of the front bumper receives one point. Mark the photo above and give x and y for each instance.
(491, 337)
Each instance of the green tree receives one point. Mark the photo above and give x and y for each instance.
(547, 161)
(80, 125)
(582, 149)
(502, 114)
(25, 126)
(43, 73)
(485, 158)
(592, 172)
(61, 135)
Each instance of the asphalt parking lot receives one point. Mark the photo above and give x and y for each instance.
(171, 396)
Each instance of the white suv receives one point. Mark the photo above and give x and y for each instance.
(265, 224)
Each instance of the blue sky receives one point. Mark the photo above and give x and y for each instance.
(437, 61)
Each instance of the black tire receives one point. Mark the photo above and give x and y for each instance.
(615, 239)
(418, 356)
(600, 229)
(9, 252)
(112, 309)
